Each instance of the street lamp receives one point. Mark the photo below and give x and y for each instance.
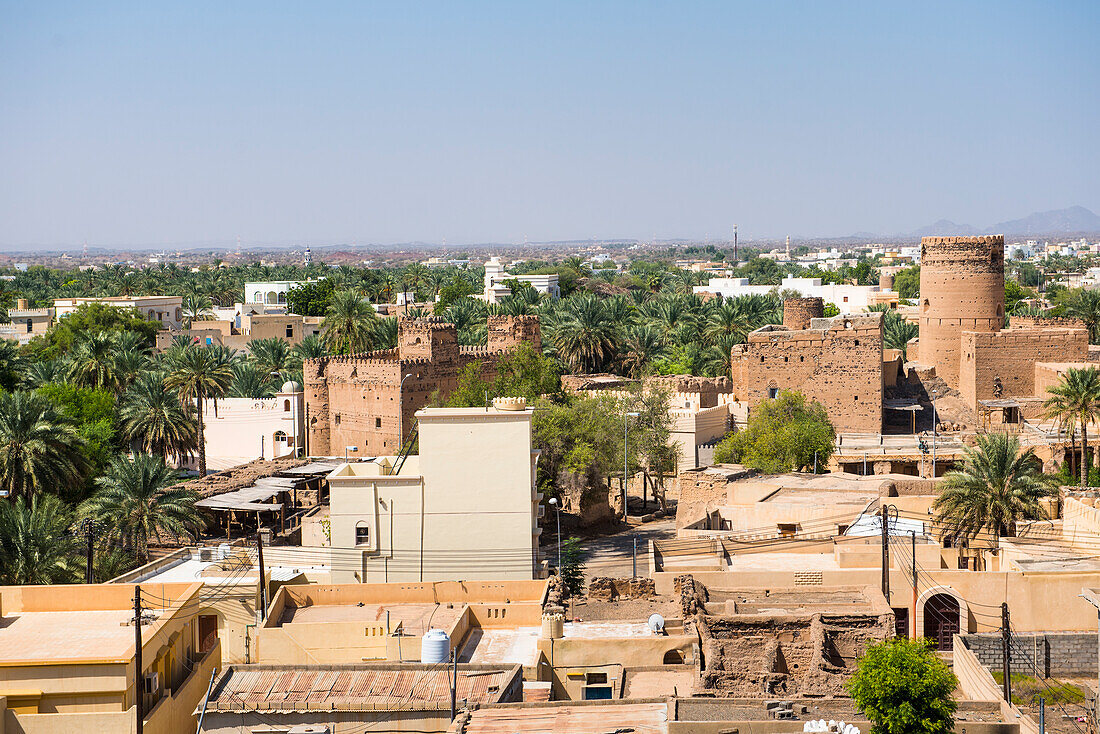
(626, 457)
(352, 449)
(557, 506)
(935, 431)
(401, 413)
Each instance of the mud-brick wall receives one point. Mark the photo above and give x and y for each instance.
(797, 312)
(1053, 654)
(1010, 356)
(839, 367)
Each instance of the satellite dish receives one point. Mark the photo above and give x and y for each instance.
(656, 623)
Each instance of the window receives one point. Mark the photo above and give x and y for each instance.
(289, 331)
(257, 297)
(282, 298)
(362, 534)
(209, 340)
(30, 326)
(377, 422)
(595, 678)
(336, 420)
(280, 437)
(286, 406)
(597, 693)
(773, 392)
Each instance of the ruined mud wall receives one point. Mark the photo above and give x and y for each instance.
(1002, 365)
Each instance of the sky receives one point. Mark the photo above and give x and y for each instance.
(193, 123)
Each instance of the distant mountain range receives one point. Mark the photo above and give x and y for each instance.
(1057, 221)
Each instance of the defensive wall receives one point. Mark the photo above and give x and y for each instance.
(1003, 364)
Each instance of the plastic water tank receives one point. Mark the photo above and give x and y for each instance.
(435, 647)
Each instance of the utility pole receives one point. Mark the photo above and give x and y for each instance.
(1042, 715)
(913, 618)
(139, 678)
(454, 684)
(263, 580)
(88, 527)
(634, 559)
(1006, 653)
(886, 552)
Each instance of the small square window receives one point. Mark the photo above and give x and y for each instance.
(773, 392)
(289, 331)
(377, 422)
(362, 534)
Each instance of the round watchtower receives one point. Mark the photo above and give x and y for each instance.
(797, 312)
(962, 288)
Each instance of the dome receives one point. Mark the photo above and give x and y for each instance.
(291, 386)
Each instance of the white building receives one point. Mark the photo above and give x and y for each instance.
(496, 290)
(271, 293)
(848, 298)
(168, 310)
(240, 430)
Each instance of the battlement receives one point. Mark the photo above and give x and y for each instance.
(956, 251)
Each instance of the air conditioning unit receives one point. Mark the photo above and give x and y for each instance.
(151, 683)
(207, 555)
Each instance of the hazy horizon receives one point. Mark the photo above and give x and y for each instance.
(127, 125)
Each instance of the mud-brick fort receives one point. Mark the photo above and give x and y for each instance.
(369, 400)
(963, 350)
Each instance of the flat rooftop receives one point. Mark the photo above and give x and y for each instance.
(354, 687)
(46, 637)
(639, 718)
(520, 644)
(412, 618)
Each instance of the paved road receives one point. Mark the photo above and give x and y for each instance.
(610, 555)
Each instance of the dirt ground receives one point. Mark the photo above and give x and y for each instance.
(627, 609)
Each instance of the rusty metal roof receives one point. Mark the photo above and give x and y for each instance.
(383, 686)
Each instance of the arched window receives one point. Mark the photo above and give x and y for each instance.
(280, 437)
(673, 657)
(179, 314)
(282, 298)
(272, 297)
(257, 297)
(286, 406)
(362, 533)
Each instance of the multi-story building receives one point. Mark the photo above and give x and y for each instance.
(168, 310)
(848, 298)
(26, 323)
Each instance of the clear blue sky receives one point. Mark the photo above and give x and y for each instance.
(322, 122)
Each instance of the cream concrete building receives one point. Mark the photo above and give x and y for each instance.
(26, 323)
(239, 430)
(67, 661)
(168, 310)
(465, 507)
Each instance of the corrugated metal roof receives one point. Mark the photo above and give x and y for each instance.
(375, 688)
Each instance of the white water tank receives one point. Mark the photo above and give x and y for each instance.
(435, 647)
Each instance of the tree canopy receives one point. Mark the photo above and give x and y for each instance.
(782, 435)
(903, 688)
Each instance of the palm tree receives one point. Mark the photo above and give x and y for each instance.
(642, 345)
(36, 542)
(199, 373)
(139, 501)
(39, 447)
(196, 307)
(154, 421)
(583, 336)
(11, 364)
(349, 323)
(1085, 305)
(897, 333)
(272, 355)
(43, 373)
(1076, 401)
(93, 362)
(310, 347)
(252, 382)
(997, 487)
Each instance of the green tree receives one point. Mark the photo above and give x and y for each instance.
(907, 283)
(580, 437)
(903, 688)
(572, 567)
(997, 486)
(349, 323)
(897, 333)
(521, 372)
(36, 542)
(93, 415)
(310, 347)
(1076, 401)
(197, 374)
(153, 420)
(93, 362)
(310, 299)
(272, 355)
(40, 449)
(252, 382)
(11, 364)
(90, 318)
(1014, 293)
(783, 434)
(1085, 305)
(140, 501)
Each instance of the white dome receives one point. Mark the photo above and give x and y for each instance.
(291, 386)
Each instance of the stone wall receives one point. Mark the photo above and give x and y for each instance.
(961, 289)
(797, 312)
(1002, 364)
(1053, 654)
(1043, 322)
(837, 362)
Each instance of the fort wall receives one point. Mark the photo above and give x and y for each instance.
(797, 312)
(1003, 365)
(837, 362)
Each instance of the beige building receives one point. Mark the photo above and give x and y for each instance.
(239, 430)
(168, 310)
(238, 333)
(67, 659)
(26, 323)
(465, 507)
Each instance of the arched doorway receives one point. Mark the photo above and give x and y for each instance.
(941, 620)
(673, 657)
